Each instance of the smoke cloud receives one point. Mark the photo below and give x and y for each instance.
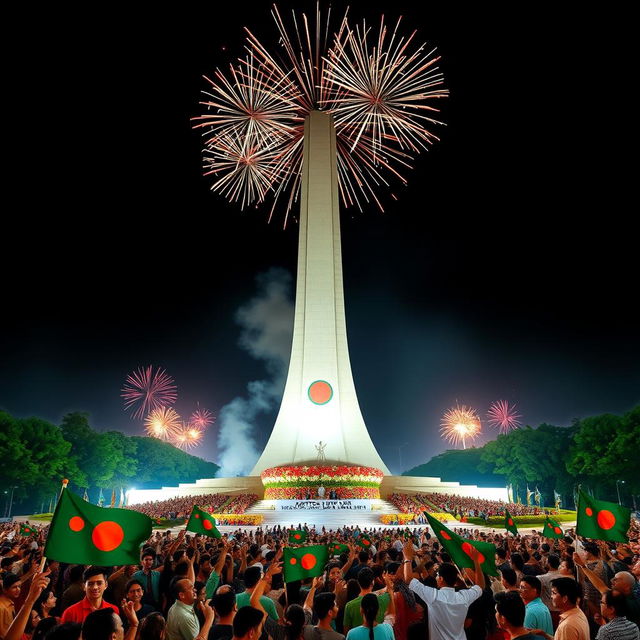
(267, 326)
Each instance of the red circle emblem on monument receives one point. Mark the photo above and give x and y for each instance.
(320, 392)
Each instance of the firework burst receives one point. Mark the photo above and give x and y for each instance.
(376, 91)
(503, 416)
(162, 423)
(201, 418)
(187, 436)
(145, 390)
(460, 424)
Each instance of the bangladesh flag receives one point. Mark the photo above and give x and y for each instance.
(26, 530)
(602, 520)
(304, 562)
(82, 533)
(297, 536)
(364, 541)
(552, 529)
(335, 548)
(460, 549)
(201, 522)
(509, 523)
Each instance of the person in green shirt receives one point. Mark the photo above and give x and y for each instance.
(352, 612)
(251, 578)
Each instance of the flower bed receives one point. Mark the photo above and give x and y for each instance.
(235, 520)
(295, 483)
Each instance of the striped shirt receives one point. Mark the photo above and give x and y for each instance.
(619, 629)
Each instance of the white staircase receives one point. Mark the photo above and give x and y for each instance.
(329, 518)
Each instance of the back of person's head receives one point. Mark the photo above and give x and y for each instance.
(510, 605)
(517, 561)
(100, 625)
(65, 631)
(75, 573)
(501, 552)
(177, 555)
(182, 568)
(224, 602)
(545, 547)
(392, 567)
(363, 557)
(43, 627)
(246, 619)
(592, 548)
(525, 556)
(553, 560)
(445, 557)
(294, 617)
(152, 627)
(533, 582)
(509, 576)
(448, 573)
(6, 562)
(252, 576)
(94, 571)
(323, 603)
(369, 605)
(365, 578)
(353, 589)
(567, 587)
(617, 601)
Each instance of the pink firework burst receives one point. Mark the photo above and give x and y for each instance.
(503, 416)
(201, 418)
(187, 437)
(145, 390)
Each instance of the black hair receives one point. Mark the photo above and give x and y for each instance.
(148, 552)
(592, 548)
(501, 552)
(75, 573)
(43, 627)
(553, 560)
(510, 605)
(567, 587)
(100, 624)
(7, 562)
(323, 603)
(246, 618)
(448, 573)
(370, 605)
(363, 557)
(509, 576)
(252, 576)
(224, 602)
(94, 571)
(131, 583)
(534, 582)
(66, 631)
(42, 598)
(151, 626)
(294, 616)
(365, 578)
(617, 601)
(392, 567)
(182, 568)
(9, 580)
(353, 589)
(517, 561)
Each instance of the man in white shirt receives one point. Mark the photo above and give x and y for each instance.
(447, 607)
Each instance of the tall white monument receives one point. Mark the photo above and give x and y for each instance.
(319, 403)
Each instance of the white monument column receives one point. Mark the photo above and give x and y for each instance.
(319, 401)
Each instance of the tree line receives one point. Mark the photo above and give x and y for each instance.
(36, 455)
(600, 453)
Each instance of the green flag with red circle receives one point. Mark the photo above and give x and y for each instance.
(601, 520)
(509, 523)
(304, 562)
(364, 541)
(552, 529)
(297, 536)
(201, 522)
(26, 530)
(336, 548)
(460, 548)
(82, 533)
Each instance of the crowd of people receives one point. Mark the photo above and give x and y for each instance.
(402, 586)
(176, 508)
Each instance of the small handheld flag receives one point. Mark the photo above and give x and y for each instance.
(336, 548)
(602, 520)
(364, 541)
(26, 530)
(509, 523)
(201, 522)
(297, 536)
(304, 562)
(552, 529)
(82, 533)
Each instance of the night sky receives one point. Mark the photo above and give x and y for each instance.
(507, 269)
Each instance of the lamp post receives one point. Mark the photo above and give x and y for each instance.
(11, 501)
(400, 454)
(618, 482)
(6, 503)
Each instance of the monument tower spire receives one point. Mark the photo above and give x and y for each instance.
(319, 402)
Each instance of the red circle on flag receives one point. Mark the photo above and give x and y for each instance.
(557, 529)
(510, 522)
(76, 523)
(466, 547)
(606, 519)
(107, 536)
(589, 511)
(207, 524)
(293, 561)
(365, 542)
(196, 515)
(297, 536)
(308, 561)
(445, 535)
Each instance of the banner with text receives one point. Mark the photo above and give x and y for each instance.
(321, 505)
